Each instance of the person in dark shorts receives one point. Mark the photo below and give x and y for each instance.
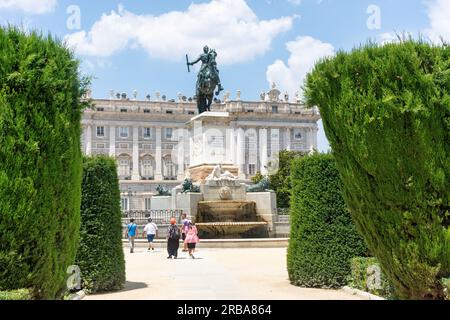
(191, 239)
(152, 231)
(173, 239)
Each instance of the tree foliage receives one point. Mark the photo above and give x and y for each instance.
(280, 181)
(100, 255)
(40, 162)
(323, 236)
(386, 113)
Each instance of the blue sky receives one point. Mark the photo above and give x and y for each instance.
(136, 44)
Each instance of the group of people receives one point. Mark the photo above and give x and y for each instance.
(187, 232)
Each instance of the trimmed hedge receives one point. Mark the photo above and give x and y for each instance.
(40, 162)
(366, 275)
(323, 237)
(20, 294)
(386, 113)
(100, 255)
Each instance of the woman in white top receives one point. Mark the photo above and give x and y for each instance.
(152, 230)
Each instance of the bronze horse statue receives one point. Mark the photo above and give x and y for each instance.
(208, 79)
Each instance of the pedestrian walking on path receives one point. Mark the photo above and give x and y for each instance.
(131, 234)
(152, 231)
(191, 239)
(173, 239)
(184, 228)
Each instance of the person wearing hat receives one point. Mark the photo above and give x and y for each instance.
(173, 239)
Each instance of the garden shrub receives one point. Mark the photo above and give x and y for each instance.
(20, 294)
(386, 113)
(40, 162)
(100, 254)
(323, 237)
(366, 275)
(280, 181)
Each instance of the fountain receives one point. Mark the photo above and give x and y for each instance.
(214, 193)
(231, 216)
(229, 219)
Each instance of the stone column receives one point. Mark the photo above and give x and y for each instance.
(88, 139)
(263, 150)
(240, 152)
(315, 132)
(231, 146)
(135, 176)
(158, 155)
(180, 160)
(288, 139)
(274, 142)
(112, 141)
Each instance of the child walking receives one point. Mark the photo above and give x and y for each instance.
(191, 238)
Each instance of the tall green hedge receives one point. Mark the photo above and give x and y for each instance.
(323, 236)
(40, 162)
(386, 113)
(100, 255)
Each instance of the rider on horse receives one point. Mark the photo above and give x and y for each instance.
(208, 61)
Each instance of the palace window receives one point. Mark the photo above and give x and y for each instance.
(191, 112)
(147, 133)
(168, 133)
(169, 111)
(147, 203)
(124, 167)
(146, 110)
(169, 168)
(147, 167)
(123, 110)
(101, 109)
(251, 169)
(274, 109)
(125, 204)
(298, 134)
(100, 131)
(124, 132)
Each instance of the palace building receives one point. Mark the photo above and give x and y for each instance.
(150, 139)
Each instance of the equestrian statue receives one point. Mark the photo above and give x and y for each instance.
(207, 80)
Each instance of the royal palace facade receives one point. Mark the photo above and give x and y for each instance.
(151, 143)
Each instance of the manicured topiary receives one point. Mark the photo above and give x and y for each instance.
(323, 237)
(100, 255)
(40, 162)
(386, 113)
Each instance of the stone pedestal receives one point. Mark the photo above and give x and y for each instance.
(212, 190)
(188, 202)
(266, 206)
(161, 203)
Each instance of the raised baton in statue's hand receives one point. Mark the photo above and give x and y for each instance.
(187, 62)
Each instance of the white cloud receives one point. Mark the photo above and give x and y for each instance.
(439, 15)
(230, 26)
(304, 53)
(29, 6)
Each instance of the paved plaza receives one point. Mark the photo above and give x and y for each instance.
(216, 274)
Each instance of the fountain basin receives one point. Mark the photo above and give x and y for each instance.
(226, 211)
(232, 230)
